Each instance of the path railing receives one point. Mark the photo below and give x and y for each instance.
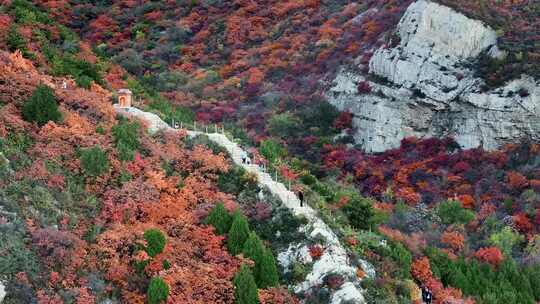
(200, 128)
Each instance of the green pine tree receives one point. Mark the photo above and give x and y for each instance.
(238, 233)
(533, 272)
(15, 41)
(94, 161)
(253, 248)
(158, 291)
(458, 279)
(268, 273)
(220, 218)
(245, 289)
(156, 241)
(126, 138)
(41, 107)
(403, 259)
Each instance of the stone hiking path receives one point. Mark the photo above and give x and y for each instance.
(334, 260)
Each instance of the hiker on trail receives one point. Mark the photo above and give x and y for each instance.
(244, 157)
(427, 296)
(301, 198)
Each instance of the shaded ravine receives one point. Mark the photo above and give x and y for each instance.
(335, 259)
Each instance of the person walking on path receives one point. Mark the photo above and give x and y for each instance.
(301, 198)
(427, 296)
(244, 157)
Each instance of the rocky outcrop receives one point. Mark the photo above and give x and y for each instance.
(425, 87)
(2, 292)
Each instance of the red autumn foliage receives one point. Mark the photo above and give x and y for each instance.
(421, 270)
(453, 239)
(490, 255)
(461, 166)
(276, 296)
(344, 121)
(522, 222)
(364, 87)
(259, 48)
(287, 173)
(467, 201)
(516, 181)
(316, 251)
(408, 195)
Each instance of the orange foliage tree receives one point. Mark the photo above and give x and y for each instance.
(490, 255)
(453, 239)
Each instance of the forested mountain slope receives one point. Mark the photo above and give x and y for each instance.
(424, 211)
(92, 208)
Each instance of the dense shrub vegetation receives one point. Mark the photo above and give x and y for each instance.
(41, 107)
(220, 218)
(94, 161)
(56, 44)
(245, 288)
(155, 240)
(126, 139)
(158, 291)
(241, 240)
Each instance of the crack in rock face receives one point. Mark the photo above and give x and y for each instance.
(431, 92)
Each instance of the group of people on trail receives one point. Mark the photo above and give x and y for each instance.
(246, 160)
(427, 295)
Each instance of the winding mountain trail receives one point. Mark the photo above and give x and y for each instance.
(334, 260)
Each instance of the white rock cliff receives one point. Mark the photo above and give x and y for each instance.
(429, 89)
(2, 292)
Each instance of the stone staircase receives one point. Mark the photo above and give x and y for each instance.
(335, 259)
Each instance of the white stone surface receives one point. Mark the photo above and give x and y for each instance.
(428, 25)
(431, 92)
(2, 291)
(155, 123)
(334, 258)
(295, 253)
(435, 42)
(347, 294)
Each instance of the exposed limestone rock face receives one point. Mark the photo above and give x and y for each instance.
(430, 89)
(435, 40)
(2, 292)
